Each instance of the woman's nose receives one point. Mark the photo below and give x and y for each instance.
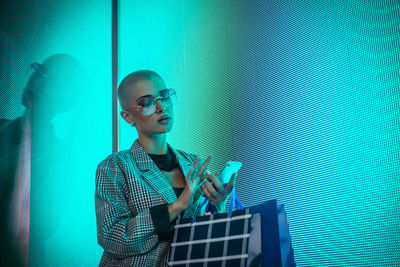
(159, 106)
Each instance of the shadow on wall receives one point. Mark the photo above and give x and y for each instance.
(33, 159)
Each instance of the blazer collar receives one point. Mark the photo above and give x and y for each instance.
(153, 175)
(143, 160)
(145, 163)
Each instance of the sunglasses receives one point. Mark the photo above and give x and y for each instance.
(37, 69)
(147, 104)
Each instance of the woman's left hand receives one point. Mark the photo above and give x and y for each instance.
(216, 193)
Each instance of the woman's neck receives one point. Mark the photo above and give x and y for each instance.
(156, 144)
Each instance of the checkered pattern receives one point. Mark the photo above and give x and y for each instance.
(128, 184)
(215, 240)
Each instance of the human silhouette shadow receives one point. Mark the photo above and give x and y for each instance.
(33, 160)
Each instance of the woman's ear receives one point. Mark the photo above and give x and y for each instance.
(128, 118)
(125, 116)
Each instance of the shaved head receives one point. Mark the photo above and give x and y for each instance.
(58, 82)
(125, 88)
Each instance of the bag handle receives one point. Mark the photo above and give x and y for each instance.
(234, 204)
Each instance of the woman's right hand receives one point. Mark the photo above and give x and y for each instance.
(193, 180)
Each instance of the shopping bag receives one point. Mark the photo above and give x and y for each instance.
(217, 240)
(276, 241)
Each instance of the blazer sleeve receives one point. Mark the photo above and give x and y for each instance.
(118, 232)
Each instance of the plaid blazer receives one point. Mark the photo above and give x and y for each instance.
(128, 184)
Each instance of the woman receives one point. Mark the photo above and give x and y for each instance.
(141, 191)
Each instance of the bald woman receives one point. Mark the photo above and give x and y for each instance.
(141, 191)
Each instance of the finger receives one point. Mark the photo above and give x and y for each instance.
(218, 185)
(196, 162)
(189, 173)
(203, 167)
(211, 190)
(193, 169)
(201, 184)
(209, 196)
(231, 183)
(198, 181)
(188, 176)
(216, 173)
(202, 179)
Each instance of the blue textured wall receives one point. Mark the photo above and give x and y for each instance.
(304, 93)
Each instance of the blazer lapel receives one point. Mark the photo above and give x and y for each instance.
(152, 174)
(156, 179)
(183, 162)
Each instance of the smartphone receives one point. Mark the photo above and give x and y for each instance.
(230, 168)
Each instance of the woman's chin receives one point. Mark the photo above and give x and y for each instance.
(164, 130)
(167, 129)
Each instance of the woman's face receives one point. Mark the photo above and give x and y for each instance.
(158, 122)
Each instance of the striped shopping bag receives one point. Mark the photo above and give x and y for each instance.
(217, 240)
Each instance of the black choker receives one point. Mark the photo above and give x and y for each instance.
(166, 162)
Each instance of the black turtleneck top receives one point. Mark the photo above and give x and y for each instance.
(160, 216)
